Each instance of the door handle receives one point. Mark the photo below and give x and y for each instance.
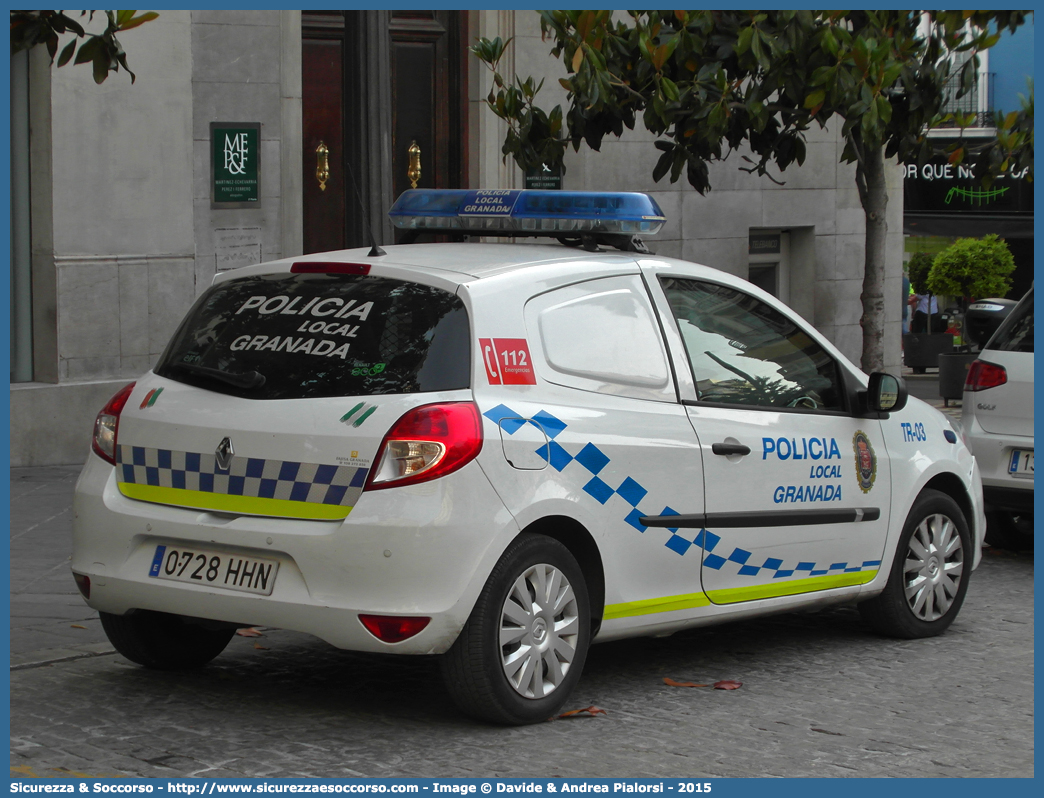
(414, 172)
(729, 448)
(322, 165)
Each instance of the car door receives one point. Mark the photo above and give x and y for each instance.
(593, 431)
(796, 487)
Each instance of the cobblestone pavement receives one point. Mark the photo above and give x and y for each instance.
(821, 696)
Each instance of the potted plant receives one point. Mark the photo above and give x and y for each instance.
(921, 349)
(968, 269)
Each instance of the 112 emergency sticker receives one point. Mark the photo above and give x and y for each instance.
(507, 361)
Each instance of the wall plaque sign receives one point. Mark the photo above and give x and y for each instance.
(235, 164)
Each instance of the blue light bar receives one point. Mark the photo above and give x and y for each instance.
(515, 212)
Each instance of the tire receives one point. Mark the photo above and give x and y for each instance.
(929, 575)
(162, 641)
(521, 652)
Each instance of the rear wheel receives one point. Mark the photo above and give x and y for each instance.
(163, 641)
(521, 652)
(929, 575)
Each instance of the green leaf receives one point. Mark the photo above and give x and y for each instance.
(821, 75)
(815, 99)
(669, 88)
(101, 66)
(759, 53)
(67, 52)
(891, 74)
(151, 15)
(663, 165)
(73, 25)
(124, 16)
(743, 40)
(708, 71)
(829, 42)
(884, 109)
(860, 55)
(555, 120)
(88, 49)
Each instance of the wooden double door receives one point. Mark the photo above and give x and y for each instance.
(374, 83)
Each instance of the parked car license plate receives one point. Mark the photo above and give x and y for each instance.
(215, 569)
(1021, 463)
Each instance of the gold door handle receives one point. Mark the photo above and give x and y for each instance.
(322, 166)
(414, 172)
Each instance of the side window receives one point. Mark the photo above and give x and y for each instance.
(601, 335)
(744, 352)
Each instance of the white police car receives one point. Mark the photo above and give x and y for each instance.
(502, 453)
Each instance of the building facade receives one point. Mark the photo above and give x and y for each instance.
(943, 202)
(119, 219)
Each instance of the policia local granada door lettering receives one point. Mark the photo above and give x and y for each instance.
(797, 489)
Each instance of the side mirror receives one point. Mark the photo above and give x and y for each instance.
(886, 393)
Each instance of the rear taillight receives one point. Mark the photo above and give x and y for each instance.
(393, 628)
(983, 375)
(107, 424)
(428, 442)
(83, 583)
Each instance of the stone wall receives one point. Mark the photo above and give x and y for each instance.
(124, 238)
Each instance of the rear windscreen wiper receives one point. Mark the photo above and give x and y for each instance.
(248, 380)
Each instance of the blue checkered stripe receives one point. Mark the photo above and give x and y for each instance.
(246, 476)
(708, 541)
(594, 460)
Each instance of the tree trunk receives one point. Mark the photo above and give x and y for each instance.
(870, 173)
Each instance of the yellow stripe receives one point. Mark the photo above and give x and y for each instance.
(251, 505)
(650, 606)
(774, 590)
(735, 594)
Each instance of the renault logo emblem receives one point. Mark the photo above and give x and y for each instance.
(224, 453)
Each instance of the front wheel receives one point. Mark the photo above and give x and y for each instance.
(929, 575)
(163, 641)
(521, 652)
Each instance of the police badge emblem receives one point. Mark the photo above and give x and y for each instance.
(865, 461)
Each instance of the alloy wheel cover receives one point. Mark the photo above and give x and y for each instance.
(539, 629)
(933, 568)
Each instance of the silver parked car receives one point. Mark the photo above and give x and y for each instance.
(998, 426)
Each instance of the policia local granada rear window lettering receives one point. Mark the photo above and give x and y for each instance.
(313, 335)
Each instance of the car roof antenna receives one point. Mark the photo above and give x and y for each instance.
(375, 251)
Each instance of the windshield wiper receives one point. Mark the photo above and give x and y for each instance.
(248, 380)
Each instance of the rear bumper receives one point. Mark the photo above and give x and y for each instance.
(993, 453)
(1015, 500)
(420, 550)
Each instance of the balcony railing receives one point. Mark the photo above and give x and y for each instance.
(978, 101)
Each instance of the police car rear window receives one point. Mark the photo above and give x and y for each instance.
(313, 335)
